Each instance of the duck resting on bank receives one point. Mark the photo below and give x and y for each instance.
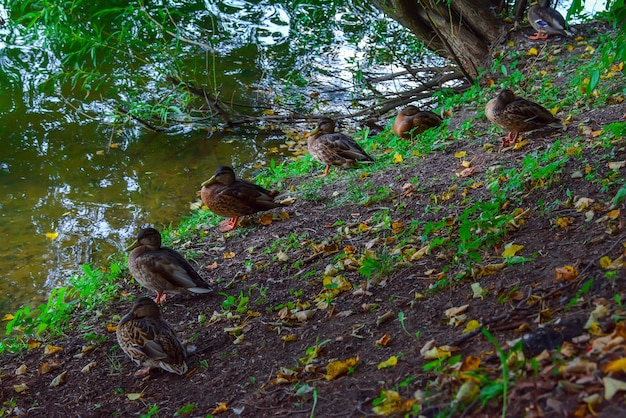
(162, 269)
(411, 122)
(333, 148)
(226, 195)
(515, 114)
(149, 341)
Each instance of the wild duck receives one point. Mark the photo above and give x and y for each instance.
(411, 122)
(546, 21)
(149, 341)
(228, 196)
(162, 269)
(515, 114)
(333, 148)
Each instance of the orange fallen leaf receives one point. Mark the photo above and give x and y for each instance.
(51, 349)
(470, 363)
(265, 219)
(563, 222)
(470, 171)
(32, 343)
(111, 327)
(222, 407)
(384, 340)
(567, 273)
(289, 338)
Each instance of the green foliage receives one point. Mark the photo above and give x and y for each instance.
(90, 291)
(498, 388)
(238, 303)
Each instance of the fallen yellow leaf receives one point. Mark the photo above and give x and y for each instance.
(618, 365)
(20, 388)
(289, 338)
(471, 326)
(111, 327)
(338, 368)
(390, 362)
(8, 317)
(229, 254)
(397, 159)
(52, 235)
(134, 396)
(532, 51)
(460, 154)
(510, 250)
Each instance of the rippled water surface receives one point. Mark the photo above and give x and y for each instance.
(59, 174)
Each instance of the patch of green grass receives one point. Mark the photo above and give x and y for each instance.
(89, 291)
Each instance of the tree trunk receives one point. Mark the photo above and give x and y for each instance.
(460, 29)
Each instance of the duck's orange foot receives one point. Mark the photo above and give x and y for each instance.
(229, 225)
(160, 297)
(538, 36)
(510, 139)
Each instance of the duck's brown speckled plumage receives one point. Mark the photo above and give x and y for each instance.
(333, 148)
(546, 21)
(162, 269)
(228, 196)
(411, 122)
(149, 341)
(515, 114)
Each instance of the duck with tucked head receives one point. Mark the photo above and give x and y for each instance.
(149, 341)
(411, 122)
(546, 21)
(162, 269)
(515, 114)
(333, 148)
(226, 195)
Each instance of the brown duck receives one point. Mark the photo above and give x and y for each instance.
(228, 196)
(162, 269)
(411, 122)
(515, 114)
(333, 148)
(149, 341)
(546, 21)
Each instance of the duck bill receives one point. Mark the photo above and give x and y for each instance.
(132, 246)
(209, 181)
(125, 319)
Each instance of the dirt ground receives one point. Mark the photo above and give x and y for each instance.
(243, 358)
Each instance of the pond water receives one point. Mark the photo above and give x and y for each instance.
(69, 198)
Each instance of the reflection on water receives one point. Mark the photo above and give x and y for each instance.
(60, 176)
(93, 196)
